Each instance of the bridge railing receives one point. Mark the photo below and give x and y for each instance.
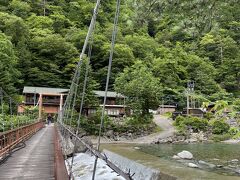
(10, 139)
(127, 175)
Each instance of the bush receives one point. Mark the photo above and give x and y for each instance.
(178, 120)
(237, 136)
(220, 127)
(209, 115)
(233, 131)
(221, 137)
(197, 124)
(8, 122)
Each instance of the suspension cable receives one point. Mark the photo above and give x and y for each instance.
(114, 34)
(76, 74)
(83, 95)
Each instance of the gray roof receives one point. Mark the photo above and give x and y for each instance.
(110, 94)
(38, 90)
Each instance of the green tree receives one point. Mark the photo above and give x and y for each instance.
(142, 89)
(20, 9)
(8, 61)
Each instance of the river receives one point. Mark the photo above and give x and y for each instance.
(160, 157)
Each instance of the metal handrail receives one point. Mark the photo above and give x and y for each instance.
(95, 152)
(10, 139)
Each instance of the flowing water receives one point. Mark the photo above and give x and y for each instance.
(160, 157)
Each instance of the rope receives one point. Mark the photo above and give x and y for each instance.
(114, 34)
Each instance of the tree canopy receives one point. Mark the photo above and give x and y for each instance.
(165, 42)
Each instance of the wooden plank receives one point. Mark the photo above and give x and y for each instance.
(35, 161)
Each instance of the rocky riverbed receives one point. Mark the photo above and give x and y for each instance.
(186, 158)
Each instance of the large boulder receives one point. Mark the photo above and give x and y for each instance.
(185, 155)
(80, 147)
(110, 134)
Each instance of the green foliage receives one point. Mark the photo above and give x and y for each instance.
(209, 115)
(197, 124)
(221, 137)
(8, 122)
(234, 131)
(176, 41)
(140, 86)
(133, 124)
(220, 127)
(237, 136)
(8, 71)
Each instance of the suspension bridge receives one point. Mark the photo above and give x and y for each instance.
(31, 150)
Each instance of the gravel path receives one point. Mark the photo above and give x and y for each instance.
(166, 126)
(163, 122)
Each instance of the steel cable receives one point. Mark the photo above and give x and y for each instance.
(114, 34)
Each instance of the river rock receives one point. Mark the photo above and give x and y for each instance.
(192, 165)
(231, 166)
(80, 147)
(207, 164)
(234, 160)
(185, 155)
(176, 157)
(137, 148)
(110, 134)
(237, 171)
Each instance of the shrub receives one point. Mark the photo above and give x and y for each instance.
(220, 127)
(178, 120)
(209, 115)
(237, 136)
(221, 137)
(197, 124)
(233, 131)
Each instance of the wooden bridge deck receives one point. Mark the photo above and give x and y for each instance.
(35, 161)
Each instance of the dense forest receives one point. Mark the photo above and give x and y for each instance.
(161, 45)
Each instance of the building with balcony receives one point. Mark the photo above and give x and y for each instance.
(115, 104)
(49, 100)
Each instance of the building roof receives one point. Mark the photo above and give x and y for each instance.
(44, 90)
(167, 106)
(110, 94)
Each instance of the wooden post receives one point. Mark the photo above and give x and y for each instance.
(61, 107)
(40, 107)
(187, 103)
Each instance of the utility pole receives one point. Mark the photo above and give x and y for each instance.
(1, 94)
(34, 98)
(44, 7)
(187, 102)
(221, 54)
(162, 109)
(190, 90)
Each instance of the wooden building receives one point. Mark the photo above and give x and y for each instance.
(162, 109)
(115, 104)
(49, 100)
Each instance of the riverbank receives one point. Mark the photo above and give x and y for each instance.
(160, 157)
(164, 124)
